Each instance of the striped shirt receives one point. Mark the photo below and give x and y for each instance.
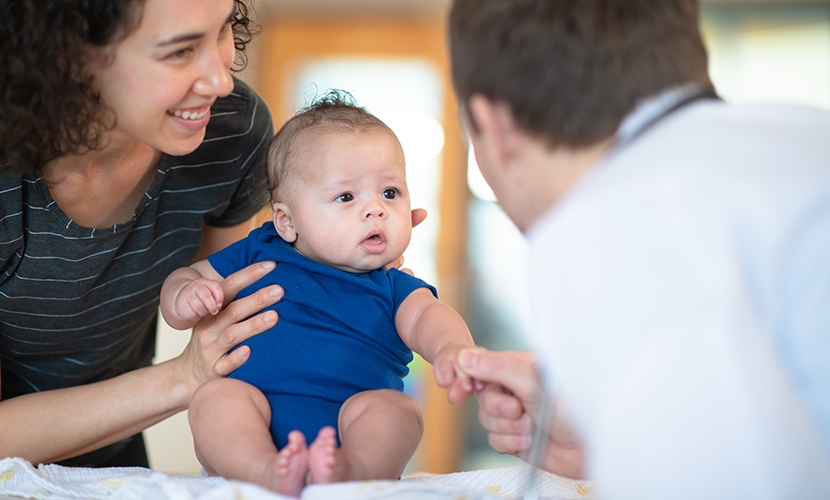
(79, 305)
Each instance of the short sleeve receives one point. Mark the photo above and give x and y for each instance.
(404, 284)
(233, 257)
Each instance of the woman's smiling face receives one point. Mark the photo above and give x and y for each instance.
(163, 77)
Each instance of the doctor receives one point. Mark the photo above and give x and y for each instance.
(680, 248)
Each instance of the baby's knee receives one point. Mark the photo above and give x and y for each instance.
(395, 404)
(226, 392)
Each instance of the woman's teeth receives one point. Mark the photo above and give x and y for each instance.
(189, 115)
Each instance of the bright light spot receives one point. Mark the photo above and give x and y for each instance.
(475, 180)
(421, 136)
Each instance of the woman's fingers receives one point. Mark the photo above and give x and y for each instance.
(240, 319)
(236, 358)
(216, 336)
(244, 277)
(396, 264)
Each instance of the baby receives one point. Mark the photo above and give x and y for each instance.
(331, 369)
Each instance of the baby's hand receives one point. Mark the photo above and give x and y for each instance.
(199, 298)
(450, 376)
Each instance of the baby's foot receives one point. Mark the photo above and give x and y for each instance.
(292, 466)
(324, 458)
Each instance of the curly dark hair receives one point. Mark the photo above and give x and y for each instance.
(48, 106)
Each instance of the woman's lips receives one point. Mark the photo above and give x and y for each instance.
(191, 118)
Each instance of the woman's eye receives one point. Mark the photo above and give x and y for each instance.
(345, 197)
(179, 54)
(390, 193)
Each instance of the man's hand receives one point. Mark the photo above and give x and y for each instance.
(509, 393)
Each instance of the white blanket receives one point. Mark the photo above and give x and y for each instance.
(19, 479)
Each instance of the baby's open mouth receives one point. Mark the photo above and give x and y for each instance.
(375, 242)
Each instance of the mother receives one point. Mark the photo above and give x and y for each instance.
(126, 149)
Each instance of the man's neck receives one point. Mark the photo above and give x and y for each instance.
(556, 172)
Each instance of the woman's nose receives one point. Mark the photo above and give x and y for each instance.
(215, 77)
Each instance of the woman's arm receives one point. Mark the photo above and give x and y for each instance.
(54, 425)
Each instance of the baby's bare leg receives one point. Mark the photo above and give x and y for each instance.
(230, 423)
(379, 432)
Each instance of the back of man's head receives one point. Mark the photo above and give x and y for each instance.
(571, 70)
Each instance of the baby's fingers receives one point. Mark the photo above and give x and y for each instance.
(464, 380)
(444, 373)
(457, 393)
(202, 303)
(214, 301)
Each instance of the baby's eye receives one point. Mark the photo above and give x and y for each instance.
(345, 197)
(390, 193)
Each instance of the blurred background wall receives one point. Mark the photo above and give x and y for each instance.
(391, 55)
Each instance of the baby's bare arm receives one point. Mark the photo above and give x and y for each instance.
(190, 293)
(438, 333)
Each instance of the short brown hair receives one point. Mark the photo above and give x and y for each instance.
(335, 109)
(571, 70)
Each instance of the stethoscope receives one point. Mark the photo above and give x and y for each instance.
(650, 111)
(645, 116)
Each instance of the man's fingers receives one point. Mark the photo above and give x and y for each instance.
(495, 401)
(499, 425)
(515, 371)
(510, 443)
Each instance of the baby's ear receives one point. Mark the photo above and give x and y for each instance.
(283, 222)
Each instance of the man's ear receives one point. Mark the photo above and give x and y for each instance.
(496, 127)
(283, 222)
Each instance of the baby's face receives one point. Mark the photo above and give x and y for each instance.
(349, 200)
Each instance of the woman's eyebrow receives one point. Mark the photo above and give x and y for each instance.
(186, 37)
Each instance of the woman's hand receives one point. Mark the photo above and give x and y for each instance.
(208, 355)
(509, 393)
(47, 426)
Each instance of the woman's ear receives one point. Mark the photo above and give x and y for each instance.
(283, 222)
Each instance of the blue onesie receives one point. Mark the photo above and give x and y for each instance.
(335, 336)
